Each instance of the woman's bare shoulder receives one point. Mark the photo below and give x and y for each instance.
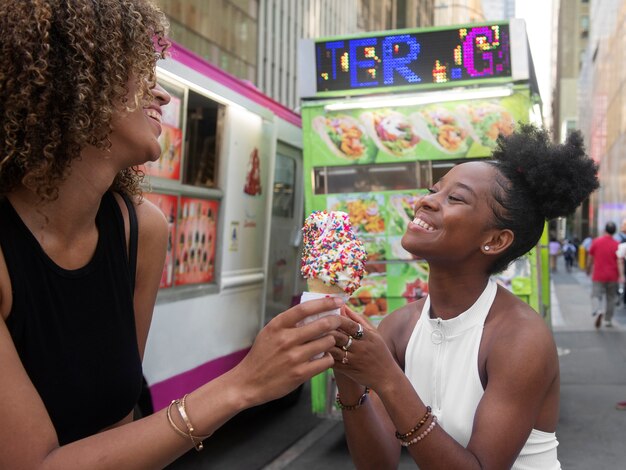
(515, 330)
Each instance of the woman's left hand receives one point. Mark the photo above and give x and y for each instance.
(360, 352)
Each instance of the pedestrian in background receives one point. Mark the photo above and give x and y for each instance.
(604, 275)
(554, 249)
(569, 254)
(621, 235)
(81, 254)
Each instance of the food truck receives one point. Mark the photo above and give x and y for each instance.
(384, 116)
(229, 182)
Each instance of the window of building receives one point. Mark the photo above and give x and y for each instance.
(584, 26)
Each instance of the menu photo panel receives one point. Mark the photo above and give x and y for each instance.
(196, 241)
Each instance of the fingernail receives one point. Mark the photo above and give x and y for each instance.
(338, 302)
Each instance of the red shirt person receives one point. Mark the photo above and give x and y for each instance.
(604, 274)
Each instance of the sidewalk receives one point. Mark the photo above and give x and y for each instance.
(593, 377)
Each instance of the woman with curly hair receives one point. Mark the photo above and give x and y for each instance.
(467, 378)
(81, 254)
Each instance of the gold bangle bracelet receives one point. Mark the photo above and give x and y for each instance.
(172, 423)
(183, 413)
(195, 440)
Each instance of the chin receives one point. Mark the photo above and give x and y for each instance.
(407, 244)
(404, 243)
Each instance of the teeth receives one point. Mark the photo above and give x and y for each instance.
(153, 114)
(421, 223)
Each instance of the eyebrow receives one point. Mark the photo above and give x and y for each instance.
(466, 187)
(459, 185)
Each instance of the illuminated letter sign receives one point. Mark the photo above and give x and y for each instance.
(413, 58)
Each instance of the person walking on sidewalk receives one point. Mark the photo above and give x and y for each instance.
(604, 275)
(554, 250)
(468, 377)
(569, 254)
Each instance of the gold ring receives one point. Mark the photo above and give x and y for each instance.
(344, 359)
(348, 344)
(359, 332)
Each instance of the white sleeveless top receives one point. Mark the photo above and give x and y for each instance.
(442, 364)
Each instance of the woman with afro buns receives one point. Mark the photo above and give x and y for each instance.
(468, 377)
(81, 254)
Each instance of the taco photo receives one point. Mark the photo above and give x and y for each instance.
(366, 212)
(446, 130)
(489, 120)
(345, 136)
(391, 131)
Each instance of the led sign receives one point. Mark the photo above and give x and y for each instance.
(407, 58)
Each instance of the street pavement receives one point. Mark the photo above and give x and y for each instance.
(590, 431)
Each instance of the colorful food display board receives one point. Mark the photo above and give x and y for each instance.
(195, 251)
(447, 130)
(190, 256)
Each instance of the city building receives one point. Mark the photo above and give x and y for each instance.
(498, 9)
(602, 108)
(223, 32)
(449, 12)
(572, 36)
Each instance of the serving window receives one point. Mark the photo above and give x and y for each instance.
(404, 176)
(204, 122)
(366, 178)
(184, 184)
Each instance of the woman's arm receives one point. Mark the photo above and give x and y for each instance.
(277, 363)
(369, 430)
(151, 248)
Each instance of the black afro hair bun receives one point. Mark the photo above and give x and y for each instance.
(558, 177)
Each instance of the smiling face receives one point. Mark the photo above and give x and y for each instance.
(135, 133)
(455, 220)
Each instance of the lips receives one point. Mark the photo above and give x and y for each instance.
(154, 114)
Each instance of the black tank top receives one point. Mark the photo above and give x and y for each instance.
(74, 330)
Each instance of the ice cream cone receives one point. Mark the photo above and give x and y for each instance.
(320, 287)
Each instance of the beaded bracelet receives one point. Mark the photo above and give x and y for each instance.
(362, 398)
(430, 427)
(403, 437)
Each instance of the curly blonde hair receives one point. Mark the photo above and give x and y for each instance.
(64, 69)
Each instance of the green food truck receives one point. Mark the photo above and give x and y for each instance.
(384, 116)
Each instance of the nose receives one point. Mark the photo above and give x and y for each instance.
(428, 200)
(162, 96)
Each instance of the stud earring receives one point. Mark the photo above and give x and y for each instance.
(487, 247)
